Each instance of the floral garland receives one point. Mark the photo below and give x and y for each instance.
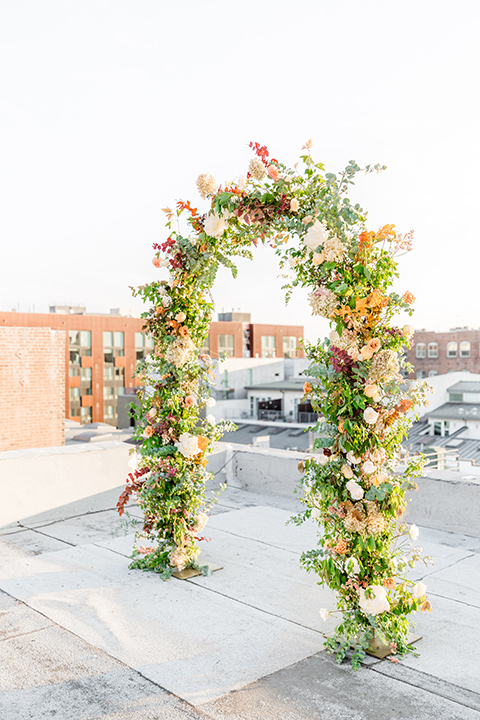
(350, 487)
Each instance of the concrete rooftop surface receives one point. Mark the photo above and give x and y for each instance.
(82, 637)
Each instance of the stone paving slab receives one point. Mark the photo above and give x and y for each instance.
(86, 528)
(267, 525)
(28, 542)
(318, 689)
(460, 581)
(183, 637)
(449, 646)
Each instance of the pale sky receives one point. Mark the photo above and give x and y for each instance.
(110, 109)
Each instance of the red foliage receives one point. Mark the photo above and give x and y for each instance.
(262, 152)
(134, 486)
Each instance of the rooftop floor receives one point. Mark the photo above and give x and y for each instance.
(83, 637)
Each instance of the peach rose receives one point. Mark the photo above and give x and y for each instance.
(294, 204)
(366, 353)
(180, 316)
(148, 432)
(371, 390)
(341, 547)
(272, 170)
(374, 344)
(157, 262)
(318, 258)
(390, 583)
(408, 297)
(307, 388)
(189, 400)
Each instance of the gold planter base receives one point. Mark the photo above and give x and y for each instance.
(381, 650)
(188, 573)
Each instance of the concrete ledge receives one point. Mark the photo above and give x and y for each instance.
(38, 481)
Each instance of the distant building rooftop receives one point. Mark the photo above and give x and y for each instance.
(455, 411)
(465, 387)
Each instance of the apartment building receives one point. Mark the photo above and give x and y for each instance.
(437, 353)
(101, 352)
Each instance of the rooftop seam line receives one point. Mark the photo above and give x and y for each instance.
(461, 602)
(444, 682)
(262, 542)
(52, 537)
(473, 554)
(29, 632)
(254, 607)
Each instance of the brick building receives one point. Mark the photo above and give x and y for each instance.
(101, 352)
(235, 335)
(438, 353)
(32, 388)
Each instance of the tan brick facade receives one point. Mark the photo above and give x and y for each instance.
(32, 387)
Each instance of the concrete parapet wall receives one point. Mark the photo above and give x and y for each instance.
(444, 501)
(38, 481)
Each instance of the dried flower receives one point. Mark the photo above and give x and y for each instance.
(257, 169)
(206, 185)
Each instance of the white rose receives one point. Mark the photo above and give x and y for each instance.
(322, 459)
(414, 532)
(211, 402)
(133, 461)
(376, 604)
(408, 330)
(382, 477)
(376, 398)
(368, 467)
(419, 589)
(324, 613)
(187, 445)
(347, 472)
(316, 235)
(293, 261)
(242, 181)
(370, 415)
(351, 458)
(211, 419)
(215, 225)
(356, 492)
(352, 566)
(315, 513)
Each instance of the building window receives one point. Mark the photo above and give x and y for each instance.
(420, 350)
(432, 373)
(465, 349)
(421, 374)
(432, 350)
(289, 346)
(446, 428)
(269, 346)
(74, 393)
(85, 415)
(108, 411)
(80, 342)
(452, 349)
(437, 427)
(86, 381)
(113, 345)
(226, 344)
(456, 397)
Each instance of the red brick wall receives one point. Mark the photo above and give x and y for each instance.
(32, 387)
(444, 364)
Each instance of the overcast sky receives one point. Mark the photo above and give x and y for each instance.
(109, 110)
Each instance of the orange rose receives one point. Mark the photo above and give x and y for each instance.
(390, 583)
(203, 442)
(189, 400)
(408, 297)
(341, 426)
(307, 388)
(404, 405)
(273, 172)
(184, 331)
(149, 431)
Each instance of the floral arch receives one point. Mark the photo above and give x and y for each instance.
(348, 483)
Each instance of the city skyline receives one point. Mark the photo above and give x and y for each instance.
(110, 111)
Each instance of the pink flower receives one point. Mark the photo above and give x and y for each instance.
(273, 172)
(189, 400)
